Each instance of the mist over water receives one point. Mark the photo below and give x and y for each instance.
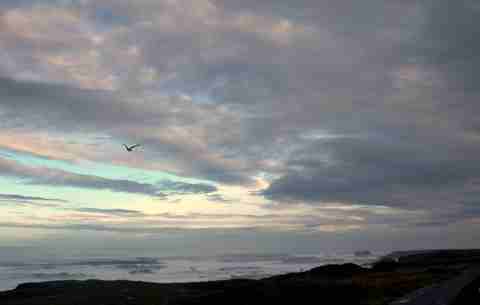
(33, 264)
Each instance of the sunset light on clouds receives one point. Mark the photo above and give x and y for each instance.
(318, 122)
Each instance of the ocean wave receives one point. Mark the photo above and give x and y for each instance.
(139, 265)
(245, 258)
(141, 270)
(58, 275)
(304, 260)
(240, 268)
(118, 262)
(277, 258)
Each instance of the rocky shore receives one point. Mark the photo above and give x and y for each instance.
(389, 279)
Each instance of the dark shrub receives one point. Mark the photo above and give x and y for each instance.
(385, 265)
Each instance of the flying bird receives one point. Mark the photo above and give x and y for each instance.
(131, 148)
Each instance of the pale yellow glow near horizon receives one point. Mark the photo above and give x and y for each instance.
(241, 201)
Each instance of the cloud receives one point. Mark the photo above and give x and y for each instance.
(218, 198)
(176, 187)
(423, 157)
(327, 101)
(448, 46)
(31, 200)
(97, 219)
(104, 228)
(55, 177)
(60, 107)
(70, 108)
(375, 171)
(114, 212)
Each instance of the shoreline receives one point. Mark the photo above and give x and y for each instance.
(160, 269)
(388, 280)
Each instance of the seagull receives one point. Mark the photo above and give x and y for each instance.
(130, 148)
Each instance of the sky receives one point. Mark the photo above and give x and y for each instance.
(264, 126)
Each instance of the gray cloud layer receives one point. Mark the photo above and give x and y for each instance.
(382, 172)
(419, 147)
(372, 102)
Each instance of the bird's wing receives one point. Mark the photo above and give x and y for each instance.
(126, 147)
(134, 146)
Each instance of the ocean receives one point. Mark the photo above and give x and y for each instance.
(25, 265)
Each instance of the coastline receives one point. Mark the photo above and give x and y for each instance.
(166, 269)
(388, 280)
